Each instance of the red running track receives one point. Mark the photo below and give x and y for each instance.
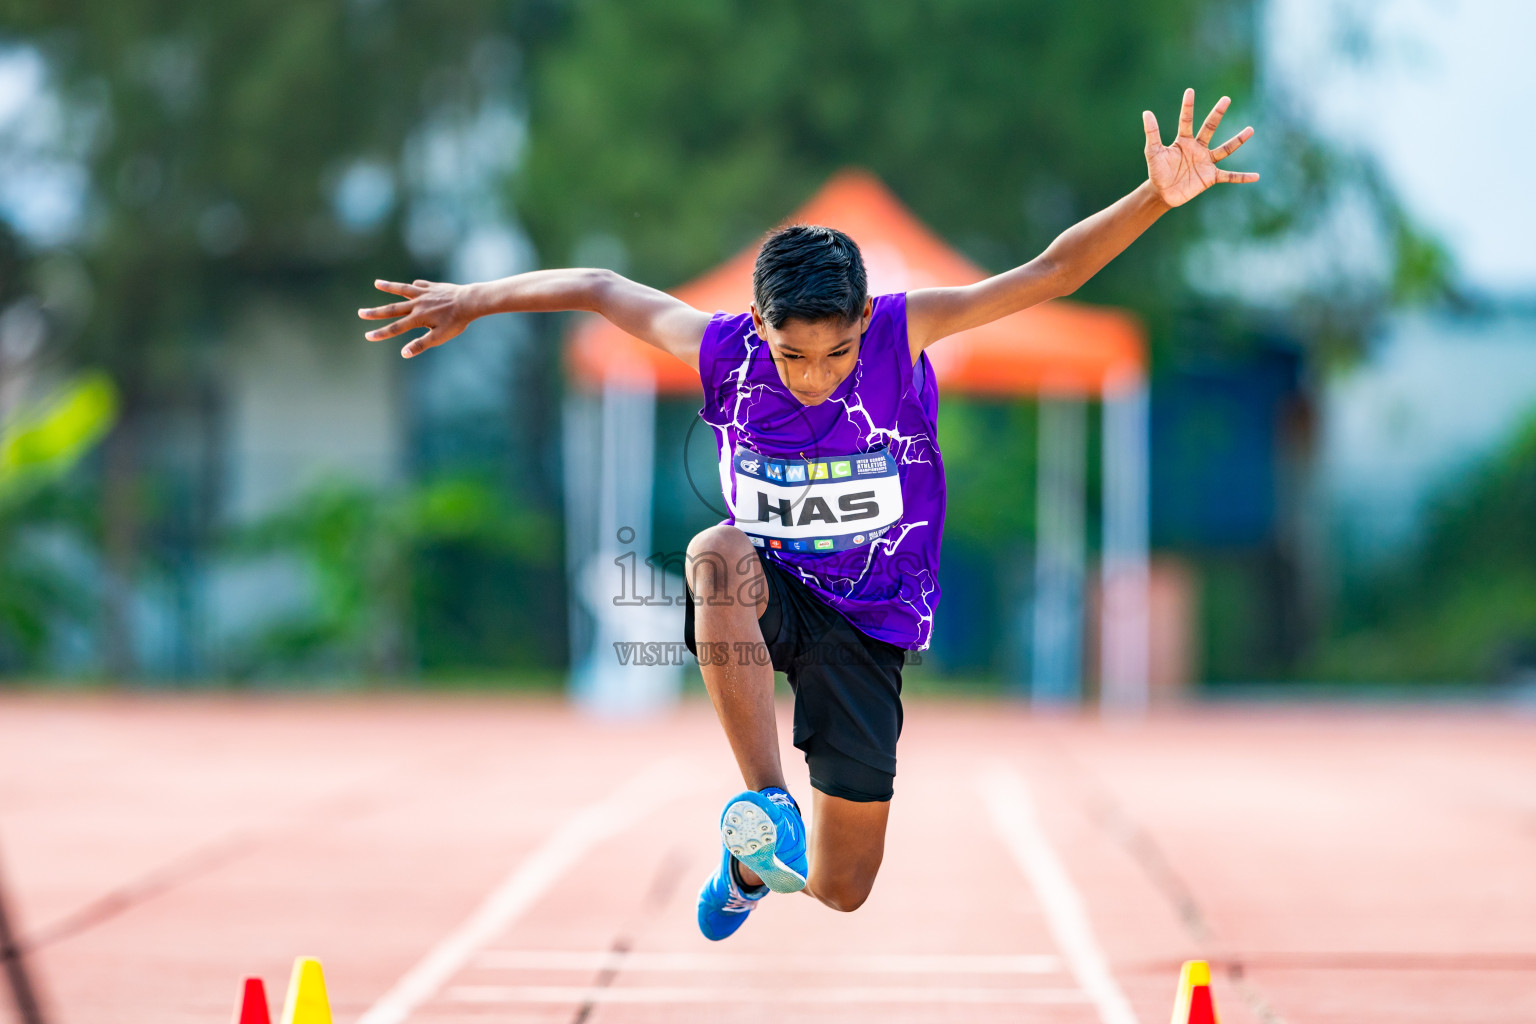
(467, 861)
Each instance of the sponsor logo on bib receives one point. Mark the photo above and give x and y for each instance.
(815, 506)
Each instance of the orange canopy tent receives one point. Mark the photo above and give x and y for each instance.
(1059, 351)
(1056, 348)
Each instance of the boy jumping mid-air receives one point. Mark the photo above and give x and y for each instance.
(823, 406)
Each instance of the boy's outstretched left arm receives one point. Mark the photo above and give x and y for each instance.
(1175, 175)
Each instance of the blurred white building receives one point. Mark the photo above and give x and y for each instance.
(1437, 396)
(1434, 91)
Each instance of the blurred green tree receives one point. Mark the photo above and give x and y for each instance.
(39, 444)
(1461, 604)
(374, 561)
(669, 134)
(232, 149)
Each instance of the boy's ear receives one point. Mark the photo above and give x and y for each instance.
(757, 319)
(868, 315)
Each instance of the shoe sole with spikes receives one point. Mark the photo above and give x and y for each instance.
(752, 837)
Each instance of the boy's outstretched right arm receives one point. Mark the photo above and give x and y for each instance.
(446, 309)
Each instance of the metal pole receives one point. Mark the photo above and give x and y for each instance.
(579, 434)
(1056, 657)
(618, 583)
(1125, 627)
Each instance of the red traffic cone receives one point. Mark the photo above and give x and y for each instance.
(1194, 1004)
(252, 1008)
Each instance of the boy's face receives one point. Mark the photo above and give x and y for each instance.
(813, 356)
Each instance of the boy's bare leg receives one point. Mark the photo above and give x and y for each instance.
(846, 847)
(729, 594)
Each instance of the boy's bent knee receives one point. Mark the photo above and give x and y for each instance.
(720, 541)
(844, 897)
(844, 890)
(719, 561)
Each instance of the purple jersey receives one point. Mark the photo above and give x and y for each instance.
(848, 494)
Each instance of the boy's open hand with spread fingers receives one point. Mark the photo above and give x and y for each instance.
(1188, 167)
(1175, 175)
(438, 305)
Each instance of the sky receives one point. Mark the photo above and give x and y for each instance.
(40, 196)
(1441, 93)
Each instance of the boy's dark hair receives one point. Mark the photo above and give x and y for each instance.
(810, 273)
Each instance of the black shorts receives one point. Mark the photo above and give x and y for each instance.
(847, 687)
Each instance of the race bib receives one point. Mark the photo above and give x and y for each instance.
(815, 505)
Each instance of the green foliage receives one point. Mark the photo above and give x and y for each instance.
(1424, 265)
(39, 504)
(375, 564)
(40, 595)
(684, 127)
(1463, 607)
(666, 136)
(215, 135)
(990, 463)
(215, 138)
(14, 265)
(39, 445)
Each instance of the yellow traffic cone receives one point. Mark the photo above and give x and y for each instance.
(306, 1003)
(1194, 1004)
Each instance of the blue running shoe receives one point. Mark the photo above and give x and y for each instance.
(765, 832)
(725, 902)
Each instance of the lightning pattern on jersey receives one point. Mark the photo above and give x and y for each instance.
(889, 590)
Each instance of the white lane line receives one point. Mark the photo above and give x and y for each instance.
(894, 963)
(1013, 815)
(523, 887)
(765, 996)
